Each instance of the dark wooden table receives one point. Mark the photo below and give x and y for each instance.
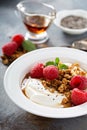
(11, 116)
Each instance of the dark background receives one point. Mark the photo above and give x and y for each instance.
(11, 116)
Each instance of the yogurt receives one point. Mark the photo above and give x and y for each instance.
(37, 93)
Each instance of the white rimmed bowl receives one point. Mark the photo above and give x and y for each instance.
(77, 12)
(17, 70)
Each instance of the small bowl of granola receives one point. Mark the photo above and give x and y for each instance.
(52, 83)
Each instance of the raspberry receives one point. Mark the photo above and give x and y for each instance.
(78, 96)
(18, 38)
(37, 71)
(9, 48)
(78, 82)
(50, 72)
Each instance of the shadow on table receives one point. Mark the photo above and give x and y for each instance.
(27, 121)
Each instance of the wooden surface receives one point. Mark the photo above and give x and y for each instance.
(11, 116)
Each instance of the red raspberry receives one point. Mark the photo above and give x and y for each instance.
(18, 38)
(78, 82)
(9, 48)
(78, 96)
(86, 93)
(37, 71)
(51, 72)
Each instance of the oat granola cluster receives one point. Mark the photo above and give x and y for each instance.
(62, 85)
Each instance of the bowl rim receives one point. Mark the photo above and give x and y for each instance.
(12, 84)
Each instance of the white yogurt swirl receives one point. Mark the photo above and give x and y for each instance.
(36, 92)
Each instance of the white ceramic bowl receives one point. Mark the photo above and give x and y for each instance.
(61, 14)
(17, 70)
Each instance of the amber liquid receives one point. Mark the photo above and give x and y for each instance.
(37, 24)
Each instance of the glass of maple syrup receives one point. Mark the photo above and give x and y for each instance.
(37, 17)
